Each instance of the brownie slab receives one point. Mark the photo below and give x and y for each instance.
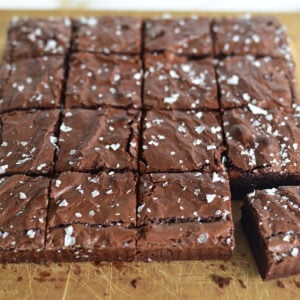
(271, 221)
(265, 82)
(121, 35)
(23, 206)
(181, 141)
(28, 142)
(174, 82)
(95, 139)
(184, 36)
(184, 216)
(259, 36)
(104, 80)
(30, 38)
(32, 83)
(91, 217)
(263, 148)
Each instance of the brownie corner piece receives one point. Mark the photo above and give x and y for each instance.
(271, 222)
(183, 36)
(111, 142)
(119, 35)
(97, 80)
(23, 205)
(28, 142)
(181, 141)
(257, 35)
(35, 37)
(176, 82)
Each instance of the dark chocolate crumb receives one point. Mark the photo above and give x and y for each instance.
(222, 267)
(133, 282)
(242, 284)
(19, 278)
(45, 274)
(118, 265)
(221, 281)
(297, 283)
(280, 284)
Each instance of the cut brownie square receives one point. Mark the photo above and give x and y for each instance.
(96, 139)
(271, 221)
(181, 141)
(91, 217)
(28, 142)
(32, 83)
(176, 82)
(121, 35)
(100, 80)
(30, 38)
(263, 148)
(259, 36)
(265, 82)
(23, 206)
(184, 216)
(185, 36)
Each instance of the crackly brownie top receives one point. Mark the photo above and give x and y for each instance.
(93, 139)
(169, 197)
(94, 199)
(32, 83)
(262, 141)
(186, 36)
(181, 141)
(38, 37)
(28, 142)
(176, 82)
(265, 82)
(104, 80)
(260, 36)
(120, 35)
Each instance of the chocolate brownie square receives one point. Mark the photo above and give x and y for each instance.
(184, 216)
(259, 36)
(30, 38)
(121, 35)
(181, 141)
(176, 82)
(271, 221)
(104, 80)
(32, 83)
(91, 216)
(263, 148)
(265, 82)
(28, 142)
(23, 206)
(184, 36)
(96, 139)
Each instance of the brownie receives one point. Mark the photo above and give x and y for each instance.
(32, 83)
(259, 36)
(184, 36)
(121, 35)
(23, 206)
(30, 38)
(271, 219)
(184, 216)
(265, 82)
(96, 139)
(104, 80)
(176, 82)
(28, 142)
(91, 217)
(263, 148)
(181, 141)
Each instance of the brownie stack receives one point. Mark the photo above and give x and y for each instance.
(119, 135)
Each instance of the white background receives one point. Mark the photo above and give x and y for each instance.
(162, 5)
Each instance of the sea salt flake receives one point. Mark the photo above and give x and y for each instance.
(69, 240)
(203, 237)
(95, 193)
(65, 128)
(233, 80)
(63, 203)
(210, 197)
(31, 233)
(172, 99)
(22, 196)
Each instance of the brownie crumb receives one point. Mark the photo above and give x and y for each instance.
(222, 267)
(44, 274)
(242, 284)
(133, 282)
(297, 283)
(20, 278)
(221, 281)
(118, 265)
(280, 284)
(77, 270)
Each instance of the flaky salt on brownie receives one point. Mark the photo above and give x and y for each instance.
(271, 221)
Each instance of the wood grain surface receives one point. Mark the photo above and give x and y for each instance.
(169, 280)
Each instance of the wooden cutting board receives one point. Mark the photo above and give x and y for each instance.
(169, 280)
